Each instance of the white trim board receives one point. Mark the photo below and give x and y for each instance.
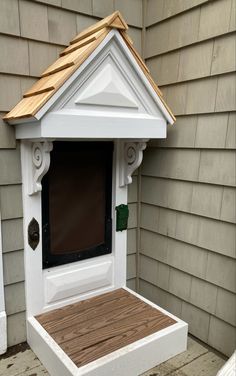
(92, 126)
(229, 368)
(3, 316)
(134, 358)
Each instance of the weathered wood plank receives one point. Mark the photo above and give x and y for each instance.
(18, 363)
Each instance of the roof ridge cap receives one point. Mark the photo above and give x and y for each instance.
(108, 21)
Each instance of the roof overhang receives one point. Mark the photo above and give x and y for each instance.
(108, 96)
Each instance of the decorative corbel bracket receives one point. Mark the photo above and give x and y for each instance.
(40, 152)
(132, 156)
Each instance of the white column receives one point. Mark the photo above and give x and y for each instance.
(119, 238)
(3, 317)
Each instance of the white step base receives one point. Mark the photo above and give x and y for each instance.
(133, 359)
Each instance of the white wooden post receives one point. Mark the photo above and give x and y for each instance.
(32, 209)
(120, 196)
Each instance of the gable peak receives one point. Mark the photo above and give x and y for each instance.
(115, 20)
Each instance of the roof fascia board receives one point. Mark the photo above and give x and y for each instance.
(23, 121)
(90, 126)
(29, 130)
(109, 126)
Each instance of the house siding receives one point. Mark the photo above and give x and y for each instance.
(32, 33)
(187, 243)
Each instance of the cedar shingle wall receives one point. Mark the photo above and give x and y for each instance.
(32, 33)
(187, 261)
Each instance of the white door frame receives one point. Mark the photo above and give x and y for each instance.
(58, 286)
(3, 316)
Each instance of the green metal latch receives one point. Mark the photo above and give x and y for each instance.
(122, 215)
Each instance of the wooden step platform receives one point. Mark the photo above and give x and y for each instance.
(93, 328)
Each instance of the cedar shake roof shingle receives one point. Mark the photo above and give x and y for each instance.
(70, 60)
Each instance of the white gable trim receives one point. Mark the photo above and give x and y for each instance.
(65, 117)
(116, 35)
(112, 57)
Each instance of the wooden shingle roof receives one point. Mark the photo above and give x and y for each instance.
(70, 59)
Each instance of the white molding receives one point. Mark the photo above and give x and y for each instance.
(113, 35)
(132, 154)
(3, 316)
(40, 165)
(93, 125)
(112, 55)
(78, 279)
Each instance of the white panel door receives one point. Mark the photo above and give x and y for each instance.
(55, 287)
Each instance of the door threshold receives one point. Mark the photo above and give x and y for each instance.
(110, 334)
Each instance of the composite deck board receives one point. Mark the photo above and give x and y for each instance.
(95, 327)
(103, 348)
(75, 329)
(86, 315)
(117, 329)
(81, 306)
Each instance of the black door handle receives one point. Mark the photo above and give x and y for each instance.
(33, 233)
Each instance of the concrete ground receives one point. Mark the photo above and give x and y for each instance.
(198, 360)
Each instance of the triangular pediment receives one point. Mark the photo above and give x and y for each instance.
(119, 81)
(107, 88)
(110, 82)
(109, 96)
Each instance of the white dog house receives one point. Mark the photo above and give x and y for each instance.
(83, 128)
